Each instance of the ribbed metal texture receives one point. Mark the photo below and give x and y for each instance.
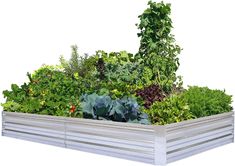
(146, 143)
(194, 136)
(124, 140)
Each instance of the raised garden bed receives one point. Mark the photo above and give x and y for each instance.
(132, 106)
(145, 143)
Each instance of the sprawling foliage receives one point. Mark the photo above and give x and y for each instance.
(120, 86)
(204, 101)
(49, 91)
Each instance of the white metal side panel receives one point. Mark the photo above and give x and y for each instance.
(146, 143)
(195, 136)
(128, 141)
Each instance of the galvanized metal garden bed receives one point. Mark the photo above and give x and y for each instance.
(146, 143)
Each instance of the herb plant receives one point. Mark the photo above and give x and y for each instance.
(203, 101)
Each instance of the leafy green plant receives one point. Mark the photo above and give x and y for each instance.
(172, 109)
(121, 72)
(204, 101)
(117, 71)
(17, 94)
(121, 57)
(49, 92)
(105, 86)
(12, 106)
(104, 108)
(157, 48)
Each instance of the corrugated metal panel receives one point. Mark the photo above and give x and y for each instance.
(47, 130)
(129, 141)
(146, 143)
(188, 138)
(126, 141)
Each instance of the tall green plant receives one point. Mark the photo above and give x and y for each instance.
(158, 49)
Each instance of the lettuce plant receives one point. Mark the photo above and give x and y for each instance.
(171, 110)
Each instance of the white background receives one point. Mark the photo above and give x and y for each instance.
(36, 32)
